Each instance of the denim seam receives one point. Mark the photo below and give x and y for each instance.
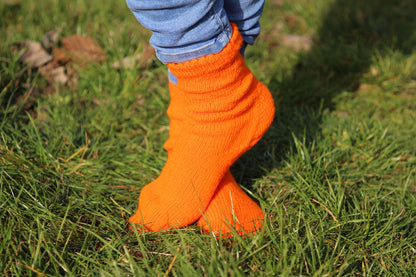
(215, 14)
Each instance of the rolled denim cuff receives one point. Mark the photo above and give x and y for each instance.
(209, 47)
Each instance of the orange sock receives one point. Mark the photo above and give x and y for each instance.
(176, 116)
(230, 208)
(227, 111)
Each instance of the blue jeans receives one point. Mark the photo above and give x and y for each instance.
(183, 30)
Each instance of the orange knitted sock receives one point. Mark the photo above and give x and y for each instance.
(176, 116)
(230, 207)
(227, 111)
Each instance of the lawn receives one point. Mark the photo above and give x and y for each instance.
(335, 173)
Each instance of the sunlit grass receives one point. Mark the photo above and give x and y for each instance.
(335, 173)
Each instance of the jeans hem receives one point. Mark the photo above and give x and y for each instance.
(212, 47)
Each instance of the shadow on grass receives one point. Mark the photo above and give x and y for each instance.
(351, 34)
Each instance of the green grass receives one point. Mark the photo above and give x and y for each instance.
(336, 172)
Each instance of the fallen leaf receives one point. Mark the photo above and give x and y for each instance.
(144, 59)
(54, 74)
(60, 56)
(83, 50)
(34, 55)
(297, 42)
(50, 39)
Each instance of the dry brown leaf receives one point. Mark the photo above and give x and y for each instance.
(144, 59)
(34, 55)
(60, 56)
(54, 74)
(50, 39)
(297, 42)
(83, 50)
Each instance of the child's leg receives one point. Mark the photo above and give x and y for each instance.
(245, 14)
(195, 172)
(183, 30)
(230, 206)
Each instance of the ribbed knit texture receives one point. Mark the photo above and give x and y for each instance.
(227, 110)
(230, 209)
